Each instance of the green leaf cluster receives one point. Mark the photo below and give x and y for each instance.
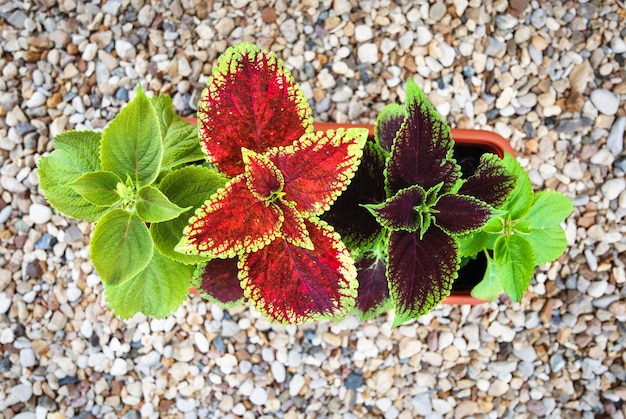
(526, 232)
(135, 181)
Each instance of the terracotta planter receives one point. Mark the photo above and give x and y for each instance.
(482, 140)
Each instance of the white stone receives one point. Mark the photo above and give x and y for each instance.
(447, 56)
(597, 288)
(86, 329)
(27, 358)
(278, 371)
(342, 94)
(368, 53)
(185, 404)
(296, 384)
(5, 303)
(441, 406)
(201, 342)
(125, 50)
(7, 336)
(227, 363)
(36, 100)
(605, 101)
(342, 6)
(40, 214)
(73, 294)
(363, 33)
(618, 45)
(613, 187)
(90, 52)
(289, 30)
(119, 367)
(22, 392)
(259, 396)
(615, 140)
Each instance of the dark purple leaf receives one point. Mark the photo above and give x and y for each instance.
(490, 182)
(388, 124)
(373, 292)
(398, 212)
(420, 272)
(356, 225)
(457, 214)
(422, 152)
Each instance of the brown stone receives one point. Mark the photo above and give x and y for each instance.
(269, 15)
(72, 49)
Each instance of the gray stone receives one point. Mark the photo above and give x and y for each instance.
(615, 140)
(22, 392)
(289, 30)
(612, 188)
(605, 102)
(506, 22)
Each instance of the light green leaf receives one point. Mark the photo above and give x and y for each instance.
(549, 208)
(99, 187)
(547, 243)
(490, 287)
(121, 247)
(515, 264)
(180, 138)
(520, 200)
(495, 225)
(472, 243)
(154, 207)
(190, 186)
(158, 290)
(131, 143)
(76, 153)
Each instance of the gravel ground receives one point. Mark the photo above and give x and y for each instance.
(549, 77)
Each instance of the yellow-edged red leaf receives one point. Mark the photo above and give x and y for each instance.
(292, 285)
(251, 101)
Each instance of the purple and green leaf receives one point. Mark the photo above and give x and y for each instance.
(458, 214)
(491, 183)
(217, 281)
(251, 101)
(373, 292)
(388, 123)
(402, 211)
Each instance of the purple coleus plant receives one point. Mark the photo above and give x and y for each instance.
(261, 233)
(406, 207)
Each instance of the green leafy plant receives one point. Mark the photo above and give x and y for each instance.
(136, 182)
(524, 233)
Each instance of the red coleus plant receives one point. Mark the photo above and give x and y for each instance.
(261, 232)
(406, 207)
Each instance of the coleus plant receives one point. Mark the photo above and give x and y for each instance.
(404, 212)
(524, 233)
(261, 232)
(139, 183)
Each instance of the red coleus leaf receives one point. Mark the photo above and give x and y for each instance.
(217, 280)
(356, 225)
(318, 167)
(251, 101)
(422, 150)
(373, 291)
(420, 272)
(457, 214)
(262, 177)
(490, 182)
(294, 229)
(231, 222)
(290, 284)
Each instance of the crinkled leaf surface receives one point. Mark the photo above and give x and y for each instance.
(373, 292)
(99, 187)
(292, 285)
(179, 137)
(76, 153)
(232, 222)
(131, 144)
(319, 167)
(158, 290)
(491, 183)
(190, 186)
(121, 247)
(515, 263)
(217, 281)
(251, 101)
(490, 287)
(154, 207)
(388, 123)
(356, 225)
(420, 272)
(458, 214)
(422, 151)
(521, 198)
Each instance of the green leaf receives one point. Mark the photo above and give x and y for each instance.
(158, 290)
(121, 247)
(131, 143)
(515, 264)
(547, 243)
(99, 187)
(180, 138)
(154, 207)
(490, 287)
(495, 225)
(472, 243)
(190, 186)
(521, 198)
(76, 153)
(549, 208)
